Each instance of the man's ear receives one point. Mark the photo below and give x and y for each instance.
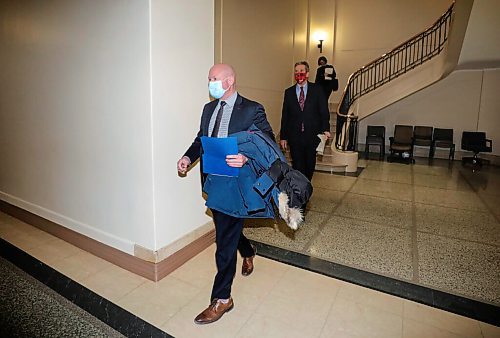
(230, 80)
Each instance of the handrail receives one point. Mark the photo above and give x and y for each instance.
(406, 56)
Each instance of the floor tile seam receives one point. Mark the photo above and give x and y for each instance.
(378, 196)
(422, 321)
(385, 225)
(450, 207)
(329, 215)
(179, 311)
(372, 306)
(329, 312)
(459, 239)
(119, 299)
(329, 189)
(414, 234)
(384, 181)
(482, 211)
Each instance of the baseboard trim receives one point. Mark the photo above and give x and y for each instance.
(150, 270)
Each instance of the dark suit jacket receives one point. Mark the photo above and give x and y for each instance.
(316, 117)
(245, 113)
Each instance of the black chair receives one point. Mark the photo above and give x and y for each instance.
(443, 138)
(375, 136)
(476, 142)
(422, 136)
(402, 143)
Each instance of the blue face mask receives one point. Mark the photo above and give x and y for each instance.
(215, 89)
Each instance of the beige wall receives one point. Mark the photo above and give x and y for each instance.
(99, 99)
(466, 100)
(481, 47)
(179, 90)
(263, 39)
(75, 129)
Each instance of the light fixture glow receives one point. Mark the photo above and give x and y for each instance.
(320, 36)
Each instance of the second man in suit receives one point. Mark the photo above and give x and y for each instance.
(304, 115)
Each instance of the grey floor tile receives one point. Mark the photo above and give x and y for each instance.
(467, 200)
(380, 249)
(332, 181)
(324, 200)
(393, 190)
(460, 267)
(279, 234)
(455, 182)
(377, 210)
(463, 224)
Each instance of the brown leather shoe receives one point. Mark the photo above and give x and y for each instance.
(247, 267)
(214, 311)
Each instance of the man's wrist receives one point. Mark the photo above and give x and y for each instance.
(187, 158)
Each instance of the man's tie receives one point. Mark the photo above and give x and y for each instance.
(302, 98)
(301, 104)
(215, 131)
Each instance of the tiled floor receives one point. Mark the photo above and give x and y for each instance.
(279, 300)
(434, 225)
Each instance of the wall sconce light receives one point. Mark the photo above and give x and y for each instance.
(320, 46)
(320, 36)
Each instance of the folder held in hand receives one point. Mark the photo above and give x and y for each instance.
(215, 151)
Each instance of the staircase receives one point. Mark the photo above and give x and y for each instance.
(392, 77)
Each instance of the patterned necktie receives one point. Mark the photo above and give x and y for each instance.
(215, 131)
(301, 104)
(302, 98)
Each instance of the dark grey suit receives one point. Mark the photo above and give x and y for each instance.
(316, 120)
(228, 230)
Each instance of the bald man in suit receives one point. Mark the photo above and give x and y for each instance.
(229, 113)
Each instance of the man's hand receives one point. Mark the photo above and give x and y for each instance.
(236, 161)
(327, 134)
(183, 164)
(283, 144)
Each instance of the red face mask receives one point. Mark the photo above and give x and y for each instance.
(300, 77)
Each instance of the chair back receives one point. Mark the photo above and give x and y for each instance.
(377, 131)
(443, 135)
(422, 132)
(473, 140)
(403, 134)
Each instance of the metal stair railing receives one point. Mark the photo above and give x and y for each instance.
(408, 55)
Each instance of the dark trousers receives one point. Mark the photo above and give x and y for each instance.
(229, 238)
(304, 157)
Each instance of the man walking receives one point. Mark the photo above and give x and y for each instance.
(227, 114)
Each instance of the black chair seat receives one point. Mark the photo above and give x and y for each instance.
(400, 147)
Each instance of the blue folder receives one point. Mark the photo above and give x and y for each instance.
(215, 150)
